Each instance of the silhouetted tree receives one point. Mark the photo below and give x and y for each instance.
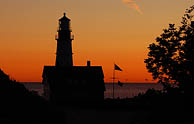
(170, 58)
(19, 105)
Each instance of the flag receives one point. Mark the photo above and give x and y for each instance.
(120, 84)
(117, 68)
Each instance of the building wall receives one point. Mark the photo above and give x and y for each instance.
(70, 90)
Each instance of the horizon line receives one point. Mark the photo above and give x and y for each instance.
(104, 82)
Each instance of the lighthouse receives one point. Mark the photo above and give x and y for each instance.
(64, 43)
(65, 82)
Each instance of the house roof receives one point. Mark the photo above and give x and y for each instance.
(74, 72)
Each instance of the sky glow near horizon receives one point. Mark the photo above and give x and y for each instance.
(106, 32)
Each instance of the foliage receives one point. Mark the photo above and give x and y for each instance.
(170, 58)
(17, 101)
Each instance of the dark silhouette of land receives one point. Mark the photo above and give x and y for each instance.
(18, 105)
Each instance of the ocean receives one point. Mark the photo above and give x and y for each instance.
(128, 90)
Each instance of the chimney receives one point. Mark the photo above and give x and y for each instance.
(88, 63)
(192, 24)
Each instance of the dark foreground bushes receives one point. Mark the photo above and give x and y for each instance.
(18, 105)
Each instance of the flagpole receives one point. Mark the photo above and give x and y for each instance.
(113, 79)
(116, 67)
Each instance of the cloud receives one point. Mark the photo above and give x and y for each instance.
(133, 4)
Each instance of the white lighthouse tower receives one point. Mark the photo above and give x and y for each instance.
(64, 43)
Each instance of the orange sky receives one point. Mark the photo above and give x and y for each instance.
(106, 31)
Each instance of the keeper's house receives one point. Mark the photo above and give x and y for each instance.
(65, 82)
